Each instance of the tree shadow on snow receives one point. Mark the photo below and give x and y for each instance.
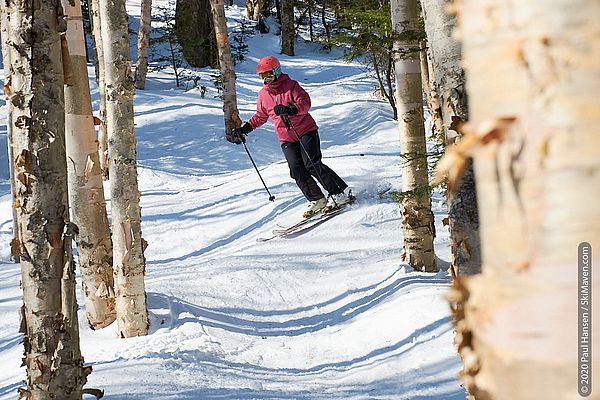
(433, 381)
(336, 310)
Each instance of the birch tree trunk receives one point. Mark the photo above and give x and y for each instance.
(288, 33)
(100, 71)
(449, 81)
(256, 8)
(532, 79)
(86, 194)
(52, 355)
(141, 65)
(128, 247)
(5, 36)
(417, 218)
(232, 116)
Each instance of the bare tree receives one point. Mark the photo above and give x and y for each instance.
(417, 217)
(86, 194)
(449, 82)
(534, 133)
(141, 65)
(52, 355)
(288, 33)
(128, 245)
(232, 116)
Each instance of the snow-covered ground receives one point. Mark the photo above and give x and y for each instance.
(330, 314)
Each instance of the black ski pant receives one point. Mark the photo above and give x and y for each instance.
(303, 167)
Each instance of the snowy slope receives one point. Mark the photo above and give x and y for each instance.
(330, 314)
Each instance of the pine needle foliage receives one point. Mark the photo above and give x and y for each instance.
(364, 30)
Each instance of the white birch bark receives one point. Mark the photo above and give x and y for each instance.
(102, 134)
(449, 83)
(5, 36)
(417, 218)
(128, 245)
(430, 90)
(256, 8)
(533, 82)
(52, 355)
(86, 194)
(232, 116)
(141, 65)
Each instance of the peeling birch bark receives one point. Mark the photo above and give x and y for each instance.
(5, 36)
(128, 254)
(52, 354)
(86, 194)
(536, 63)
(141, 65)
(449, 82)
(102, 134)
(417, 218)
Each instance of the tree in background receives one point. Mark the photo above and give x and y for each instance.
(194, 28)
(128, 245)
(232, 116)
(35, 90)
(141, 64)
(86, 194)
(534, 133)
(166, 50)
(5, 37)
(364, 29)
(288, 33)
(415, 203)
(255, 9)
(100, 72)
(449, 81)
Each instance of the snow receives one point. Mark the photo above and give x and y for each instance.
(330, 314)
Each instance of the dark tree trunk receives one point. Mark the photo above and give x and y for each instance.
(195, 30)
(288, 33)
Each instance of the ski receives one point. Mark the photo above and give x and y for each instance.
(299, 224)
(306, 224)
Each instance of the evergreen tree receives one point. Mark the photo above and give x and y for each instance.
(166, 50)
(364, 29)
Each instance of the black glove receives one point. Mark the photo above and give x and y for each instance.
(280, 109)
(238, 135)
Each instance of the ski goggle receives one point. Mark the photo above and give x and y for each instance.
(266, 74)
(270, 74)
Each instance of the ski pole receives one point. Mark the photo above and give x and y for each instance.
(288, 125)
(271, 197)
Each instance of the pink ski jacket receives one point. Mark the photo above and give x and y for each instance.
(287, 92)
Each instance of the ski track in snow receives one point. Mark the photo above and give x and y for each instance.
(330, 314)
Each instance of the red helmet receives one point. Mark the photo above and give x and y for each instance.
(268, 63)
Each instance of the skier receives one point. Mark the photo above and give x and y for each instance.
(282, 99)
